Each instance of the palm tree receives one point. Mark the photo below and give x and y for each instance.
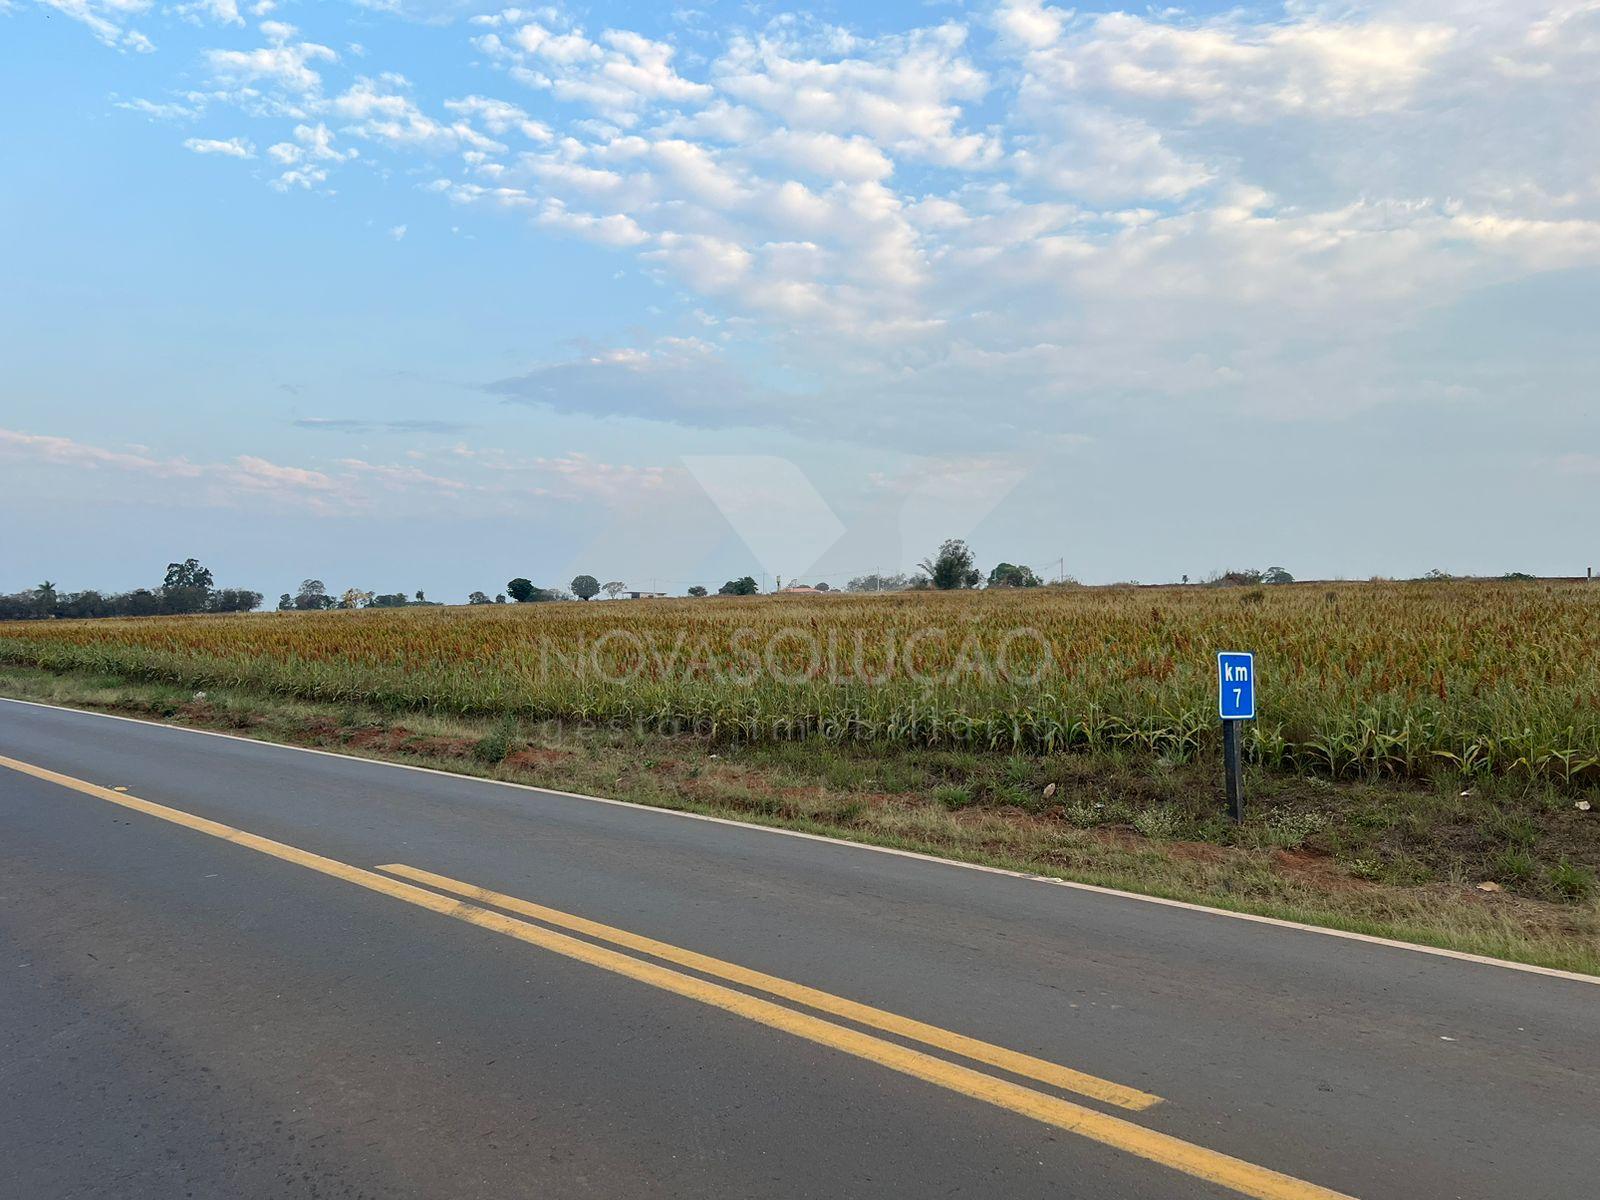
(46, 593)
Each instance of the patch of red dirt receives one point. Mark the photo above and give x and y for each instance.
(1319, 870)
(398, 740)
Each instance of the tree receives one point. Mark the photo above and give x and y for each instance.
(745, 586)
(477, 598)
(1276, 575)
(227, 600)
(823, 586)
(389, 600)
(524, 592)
(285, 602)
(141, 602)
(697, 590)
(187, 574)
(88, 604)
(1238, 577)
(421, 599)
(313, 596)
(500, 598)
(952, 568)
(186, 587)
(45, 598)
(355, 598)
(615, 588)
(1011, 576)
(585, 587)
(874, 582)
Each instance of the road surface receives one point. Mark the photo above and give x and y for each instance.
(230, 969)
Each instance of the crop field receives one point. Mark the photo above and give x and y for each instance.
(1355, 680)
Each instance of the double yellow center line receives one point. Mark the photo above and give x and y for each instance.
(929, 1035)
(467, 903)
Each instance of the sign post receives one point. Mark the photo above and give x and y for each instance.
(1236, 702)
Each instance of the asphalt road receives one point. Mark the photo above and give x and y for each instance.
(209, 989)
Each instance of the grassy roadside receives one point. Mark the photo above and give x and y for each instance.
(1393, 860)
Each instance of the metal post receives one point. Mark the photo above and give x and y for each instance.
(1233, 780)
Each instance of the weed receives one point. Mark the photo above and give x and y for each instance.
(1289, 830)
(1514, 865)
(494, 746)
(1571, 882)
(1157, 823)
(1084, 816)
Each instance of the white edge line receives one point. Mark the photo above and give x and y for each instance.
(1187, 906)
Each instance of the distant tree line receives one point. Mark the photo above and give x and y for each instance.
(187, 587)
(313, 596)
(1247, 576)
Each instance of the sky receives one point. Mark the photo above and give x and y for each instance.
(405, 294)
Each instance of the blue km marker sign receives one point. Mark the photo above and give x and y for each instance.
(1236, 685)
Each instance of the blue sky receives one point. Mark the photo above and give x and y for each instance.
(405, 295)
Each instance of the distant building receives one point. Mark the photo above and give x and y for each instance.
(800, 589)
(631, 595)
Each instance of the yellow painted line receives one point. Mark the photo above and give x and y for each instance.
(930, 1035)
(1116, 1132)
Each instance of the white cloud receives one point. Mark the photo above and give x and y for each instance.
(240, 480)
(403, 478)
(107, 20)
(346, 486)
(617, 75)
(285, 64)
(379, 110)
(576, 475)
(158, 111)
(1228, 68)
(1030, 24)
(66, 452)
(827, 155)
(1056, 207)
(233, 147)
(1101, 156)
(397, 232)
(305, 178)
(223, 12)
(611, 229)
(903, 92)
(308, 157)
(500, 117)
